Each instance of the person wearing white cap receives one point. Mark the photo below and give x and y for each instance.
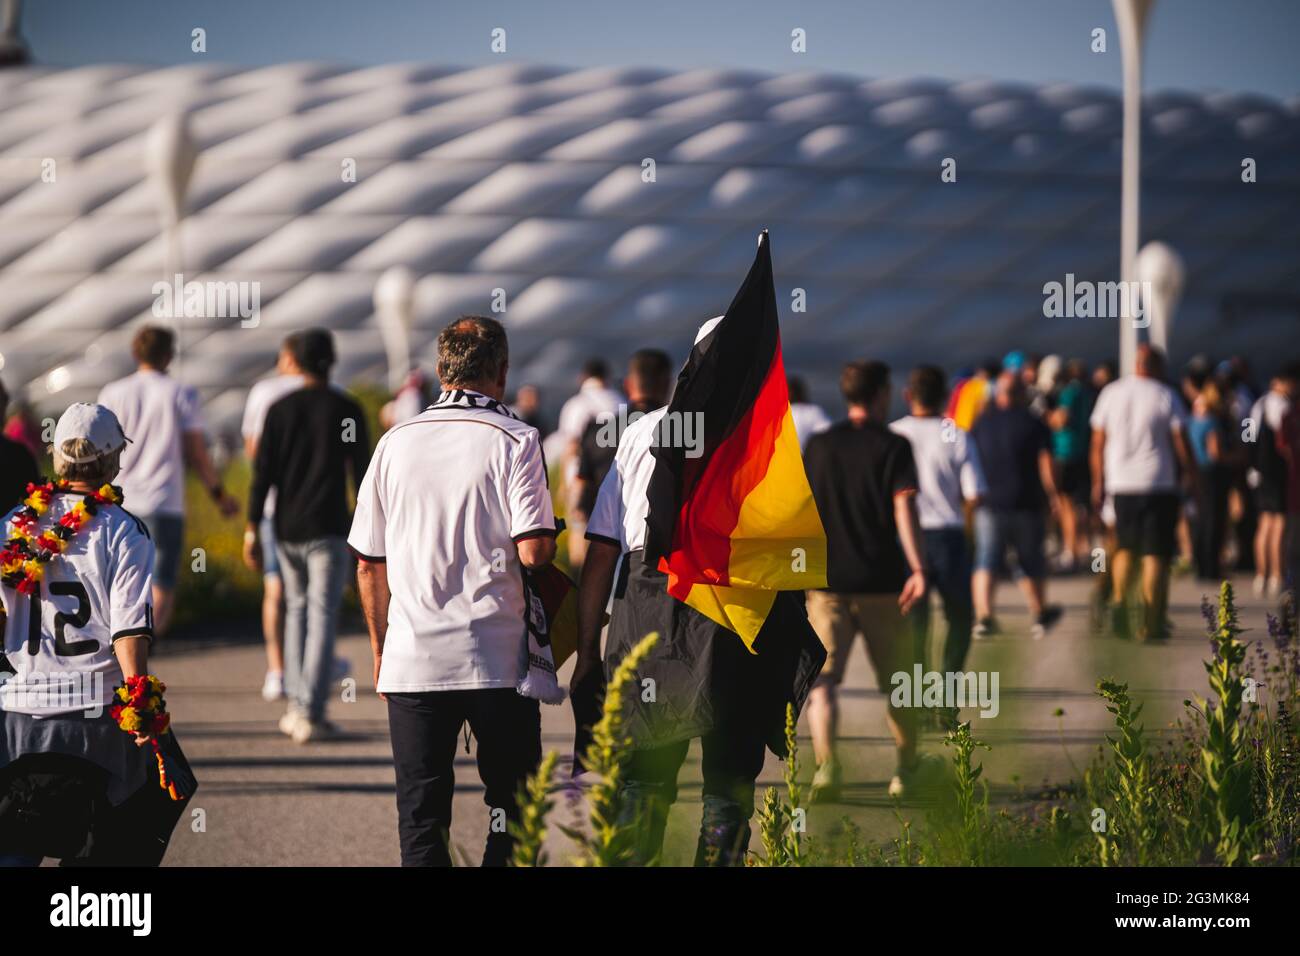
(75, 604)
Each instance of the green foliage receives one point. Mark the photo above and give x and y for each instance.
(781, 824)
(1226, 769)
(1135, 809)
(226, 589)
(610, 842)
(534, 804)
(971, 792)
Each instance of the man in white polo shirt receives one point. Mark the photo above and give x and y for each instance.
(453, 506)
(1139, 446)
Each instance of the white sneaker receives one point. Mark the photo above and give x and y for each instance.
(309, 731)
(896, 787)
(273, 686)
(289, 722)
(1274, 586)
(1259, 585)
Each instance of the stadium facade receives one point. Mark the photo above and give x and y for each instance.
(528, 186)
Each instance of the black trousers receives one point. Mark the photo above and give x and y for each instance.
(731, 758)
(1211, 521)
(424, 729)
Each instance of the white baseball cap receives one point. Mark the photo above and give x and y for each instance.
(96, 424)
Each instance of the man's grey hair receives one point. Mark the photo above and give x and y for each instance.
(96, 472)
(471, 351)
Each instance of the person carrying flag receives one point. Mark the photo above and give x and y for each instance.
(708, 508)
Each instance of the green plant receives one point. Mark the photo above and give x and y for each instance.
(781, 825)
(534, 804)
(610, 842)
(903, 843)
(771, 830)
(1134, 796)
(972, 807)
(1227, 772)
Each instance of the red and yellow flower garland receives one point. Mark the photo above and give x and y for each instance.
(142, 710)
(28, 550)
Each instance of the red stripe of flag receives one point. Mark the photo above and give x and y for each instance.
(709, 515)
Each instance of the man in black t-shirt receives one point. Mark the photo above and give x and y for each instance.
(312, 439)
(1015, 448)
(864, 481)
(17, 466)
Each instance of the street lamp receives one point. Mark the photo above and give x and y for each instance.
(1160, 269)
(394, 313)
(170, 155)
(1131, 16)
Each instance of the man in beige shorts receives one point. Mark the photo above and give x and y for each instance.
(864, 480)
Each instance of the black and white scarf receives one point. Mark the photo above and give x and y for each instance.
(464, 398)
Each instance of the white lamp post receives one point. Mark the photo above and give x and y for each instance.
(395, 312)
(1160, 269)
(1131, 16)
(170, 155)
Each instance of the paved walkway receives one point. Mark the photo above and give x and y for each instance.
(266, 801)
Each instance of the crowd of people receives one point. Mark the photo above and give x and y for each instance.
(1030, 465)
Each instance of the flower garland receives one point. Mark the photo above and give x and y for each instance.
(142, 710)
(27, 550)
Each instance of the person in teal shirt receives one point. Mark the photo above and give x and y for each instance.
(1070, 435)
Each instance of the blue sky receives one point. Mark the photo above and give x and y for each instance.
(1236, 45)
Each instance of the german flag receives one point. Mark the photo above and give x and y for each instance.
(736, 523)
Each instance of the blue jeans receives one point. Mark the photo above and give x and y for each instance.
(947, 569)
(1022, 531)
(168, 534)
(313, 573)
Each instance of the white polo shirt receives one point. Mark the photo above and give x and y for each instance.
(444, 501)
(621, 507)
(1139, 416)
(155, 411)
